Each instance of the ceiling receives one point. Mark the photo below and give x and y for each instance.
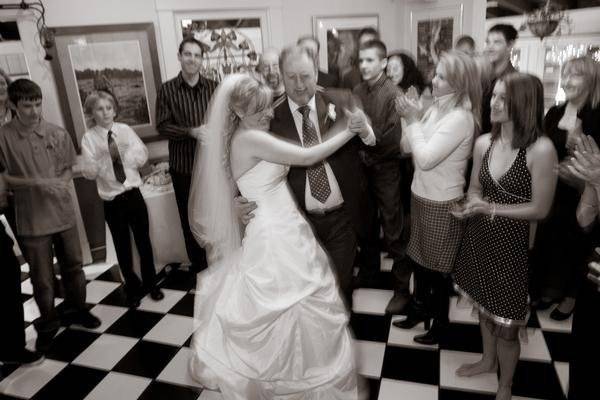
(503, 8)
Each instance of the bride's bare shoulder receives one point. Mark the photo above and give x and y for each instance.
(246, 136)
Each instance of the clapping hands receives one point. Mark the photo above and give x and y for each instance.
(585, 163)
(408, 106)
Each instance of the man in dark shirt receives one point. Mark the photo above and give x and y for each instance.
(498, 46)
(351, 77)
(378, 93)
(180, 107)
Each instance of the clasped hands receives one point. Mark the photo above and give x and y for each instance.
(472, 205)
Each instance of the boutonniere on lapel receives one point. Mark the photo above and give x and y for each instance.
(331, 115)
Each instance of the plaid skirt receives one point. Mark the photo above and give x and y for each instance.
(435, 234)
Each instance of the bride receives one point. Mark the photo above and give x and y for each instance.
(269, 320)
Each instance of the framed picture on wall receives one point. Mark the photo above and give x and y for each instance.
(433, 31)
(232, 41)
(338, 36)
(121, 59)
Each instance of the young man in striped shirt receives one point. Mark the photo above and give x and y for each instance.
(180, 108)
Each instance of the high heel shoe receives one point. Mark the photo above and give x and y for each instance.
(414, 316)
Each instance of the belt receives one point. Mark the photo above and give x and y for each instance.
(325, 211)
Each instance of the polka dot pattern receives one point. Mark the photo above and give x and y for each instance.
(317, 176)
(492, 263)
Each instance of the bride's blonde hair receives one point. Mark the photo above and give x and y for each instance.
(245, 90)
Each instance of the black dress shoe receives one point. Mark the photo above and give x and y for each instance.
(415, 314)
(86, 319)
(397, 304)
(432, 336)
(44, 340)
(24, 357)
(156, 294)
(133, 301)
(558, 315)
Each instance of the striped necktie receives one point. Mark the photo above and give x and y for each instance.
(116, 161)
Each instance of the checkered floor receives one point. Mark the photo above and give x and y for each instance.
(143, 353)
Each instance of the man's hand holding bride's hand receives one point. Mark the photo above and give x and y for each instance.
(199, 133)
(244, 208)
(359, 125)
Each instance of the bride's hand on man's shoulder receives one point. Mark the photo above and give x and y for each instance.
(244, 208)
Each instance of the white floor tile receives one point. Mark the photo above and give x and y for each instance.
(535, 349)
(107, 314)
(92, 271)
(370, 357)
(27, 287)
(404, 337)
(210, 395)
(462, 312)
(31, 310)
(96, 291)
(172, 297)
(177, 371)
(393, 390)
(25, 382)
(562, 370)
(105, 352)
(172, 329)
(548, 324)
(119, 386)
(449, 363)
(371, 301)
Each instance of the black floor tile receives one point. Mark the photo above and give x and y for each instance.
(185, 306)
(25, 297)
(413, 365)
(445, 394)
(116, 298)
(6, 370)
(559, 345)
(24, 276)
(370, 327)
(72, 383)
(70, 343)
(538, 380)
(180, 280)
(113, 274)
(135, 323)
(146, 359)
(382, 280)
(7, 397)
(373, 385)
(533, 322)
(161, 391)
(462, 337)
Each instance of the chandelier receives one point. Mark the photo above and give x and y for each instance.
(545, 20)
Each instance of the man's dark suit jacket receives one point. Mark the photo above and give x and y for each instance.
(345, 163)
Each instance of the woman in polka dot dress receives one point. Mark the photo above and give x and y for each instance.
(512, 184)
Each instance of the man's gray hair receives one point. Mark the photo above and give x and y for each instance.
(296, 51)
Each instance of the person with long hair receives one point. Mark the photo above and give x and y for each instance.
(269, 316)
(512, 186)
(402, 70)
(441, 144)
(562, 247)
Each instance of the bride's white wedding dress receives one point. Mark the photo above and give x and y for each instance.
(271, 323)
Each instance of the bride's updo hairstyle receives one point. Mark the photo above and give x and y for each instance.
(245, 90)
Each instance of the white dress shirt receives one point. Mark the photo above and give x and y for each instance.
(97, 162)
(441, 145)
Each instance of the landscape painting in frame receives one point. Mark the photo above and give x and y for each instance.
(229, 45)
(115, 67)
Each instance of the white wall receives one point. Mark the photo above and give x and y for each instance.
(287, 19)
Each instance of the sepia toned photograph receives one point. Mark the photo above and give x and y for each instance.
(115, 67)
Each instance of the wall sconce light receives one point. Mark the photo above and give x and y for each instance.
(45, 34)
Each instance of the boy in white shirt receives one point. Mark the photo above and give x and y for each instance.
(112, 154)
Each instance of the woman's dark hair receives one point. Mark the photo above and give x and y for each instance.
(412, 76)
(525, 106)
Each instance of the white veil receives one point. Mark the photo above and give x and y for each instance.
(212, 216)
